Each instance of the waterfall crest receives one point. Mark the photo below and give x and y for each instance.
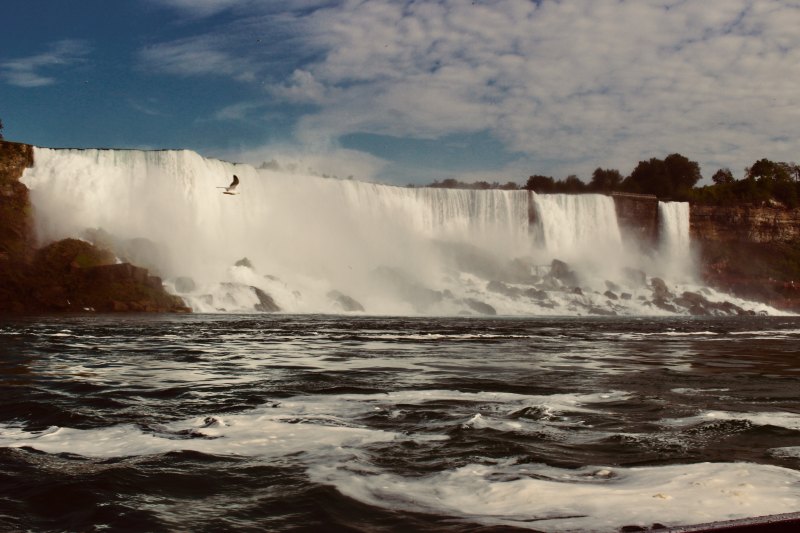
(316, 244)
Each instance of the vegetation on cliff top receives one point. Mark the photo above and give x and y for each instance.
(672, 178)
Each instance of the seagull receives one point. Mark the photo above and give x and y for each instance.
(230, 188)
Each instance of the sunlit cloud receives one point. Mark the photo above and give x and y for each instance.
(571, 85)
(41, 69)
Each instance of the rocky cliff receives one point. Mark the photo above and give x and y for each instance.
(751, 251)
(637, 215)
(68, 275)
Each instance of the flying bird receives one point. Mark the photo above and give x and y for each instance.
(232, 187)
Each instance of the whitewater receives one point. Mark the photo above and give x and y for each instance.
(323, 245)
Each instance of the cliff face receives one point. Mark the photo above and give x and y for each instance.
(637, 215)
(751, 251)
(745, 224)
(68, 275)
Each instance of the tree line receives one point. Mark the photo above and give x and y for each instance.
(673, 178)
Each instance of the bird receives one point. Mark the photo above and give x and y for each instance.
(232, 187)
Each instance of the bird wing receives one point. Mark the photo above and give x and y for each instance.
(234, 183)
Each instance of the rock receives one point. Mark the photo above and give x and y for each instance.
(610, 295)
(243, 262)
(661, 304)
(345, 302)
(536, 294)
(501, 288)
(611, 286)
(576, 290)
(594, 310)
(480, 307)
(626, 296)
(694, 298)
(660, 290)
(265, 302)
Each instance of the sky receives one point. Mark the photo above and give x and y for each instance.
(402, 91)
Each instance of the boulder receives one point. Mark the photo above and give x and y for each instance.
(345, 302)
(265, 302)
(660, 290)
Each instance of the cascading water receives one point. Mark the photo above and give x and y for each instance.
(675, 240)
(326, 245)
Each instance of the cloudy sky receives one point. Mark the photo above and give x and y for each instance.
(409, 91)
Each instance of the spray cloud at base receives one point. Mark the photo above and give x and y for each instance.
(300, 243)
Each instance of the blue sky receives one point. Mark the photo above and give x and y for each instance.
(410, 91)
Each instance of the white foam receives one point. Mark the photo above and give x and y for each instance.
(303, 423)
(778, 419)
(587, 499)
(259, 434)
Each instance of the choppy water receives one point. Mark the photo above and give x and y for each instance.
(275, 423)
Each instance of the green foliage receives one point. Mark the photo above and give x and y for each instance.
(672, 177)
(765, 181)
(605, 180)
(451, 183)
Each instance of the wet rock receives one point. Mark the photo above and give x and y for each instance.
(501, 288)
(594, 310)
(626, 296)
(610, 295)
(662, 304)
(660, 290)
(536, 294)
(347, 303)
(561, 271)
(265, 302)
(480, 307)
(611, 286)
(576, 290)
(694, 298)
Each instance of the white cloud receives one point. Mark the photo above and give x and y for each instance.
(204, 55)
(37, 70)
(573, 85)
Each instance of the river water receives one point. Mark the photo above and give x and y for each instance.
(329, 423)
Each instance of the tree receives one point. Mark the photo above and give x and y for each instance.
(1, 129)
(672, 177)
(572, 184)
(605, 180)
(723, 176)
(539, 183)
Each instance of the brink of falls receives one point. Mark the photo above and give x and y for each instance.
(306, 244)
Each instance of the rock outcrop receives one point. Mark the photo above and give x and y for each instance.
(68, 275)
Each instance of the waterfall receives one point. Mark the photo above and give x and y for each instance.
(316, 244)
(675, 243)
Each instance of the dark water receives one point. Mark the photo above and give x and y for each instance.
(327, 423)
